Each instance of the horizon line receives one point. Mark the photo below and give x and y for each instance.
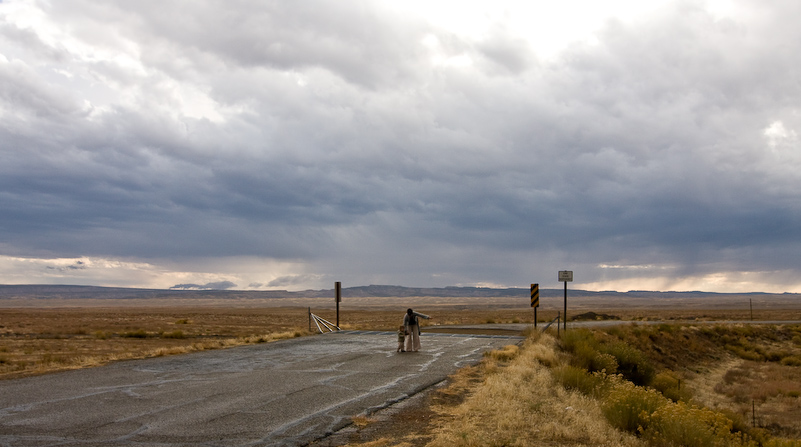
(202, 289)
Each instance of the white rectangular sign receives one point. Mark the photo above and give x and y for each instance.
(566, 276)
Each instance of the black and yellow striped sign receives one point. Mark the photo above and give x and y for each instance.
(535, 295)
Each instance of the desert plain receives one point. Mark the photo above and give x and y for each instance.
(48, 331)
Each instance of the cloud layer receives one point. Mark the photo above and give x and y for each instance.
(292, 144)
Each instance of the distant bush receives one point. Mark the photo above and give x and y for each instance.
(102, 335)
(49, 359)
(574, 378)
(504, 354)
(593, 360)
(610, 357)
(606, 363)
(141, 333)
(669, 385)
(774, 442)
(629, 407)
(173, 334)
(647, 413)
(682, 425)
(739, 424)
(656, 407)
(744, 352)
(666, 328)
(575, 338)
(631, 362)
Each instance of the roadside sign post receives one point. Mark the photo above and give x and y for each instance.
(338, 297)
(535, 300)
(565, 276)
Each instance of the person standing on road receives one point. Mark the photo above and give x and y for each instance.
(401, 338)
(413, 329)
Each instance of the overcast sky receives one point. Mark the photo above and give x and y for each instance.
(290, 144)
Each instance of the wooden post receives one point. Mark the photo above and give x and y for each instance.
(310, 319)
(338, 292)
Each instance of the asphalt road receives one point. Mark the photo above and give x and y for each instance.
(286, 393)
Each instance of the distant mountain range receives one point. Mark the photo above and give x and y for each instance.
(92, 292)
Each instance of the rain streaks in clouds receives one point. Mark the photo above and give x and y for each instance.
(291, 144)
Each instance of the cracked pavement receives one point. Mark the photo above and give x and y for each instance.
(286, 393)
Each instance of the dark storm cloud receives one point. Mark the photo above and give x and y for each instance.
(324, 132)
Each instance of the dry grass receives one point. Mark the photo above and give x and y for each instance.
(509, 399)
(36, 341)
(514, 399)
(750, 372)
(740, 373)
(762, 394)
(520, 404)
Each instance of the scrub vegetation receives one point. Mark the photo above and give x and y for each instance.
(649, 386)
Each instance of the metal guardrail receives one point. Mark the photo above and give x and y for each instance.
(549, 324)
(325, 324)
(555, 320)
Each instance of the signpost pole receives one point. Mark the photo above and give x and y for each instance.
(535, 300)
(565, 319)
(565, 276)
